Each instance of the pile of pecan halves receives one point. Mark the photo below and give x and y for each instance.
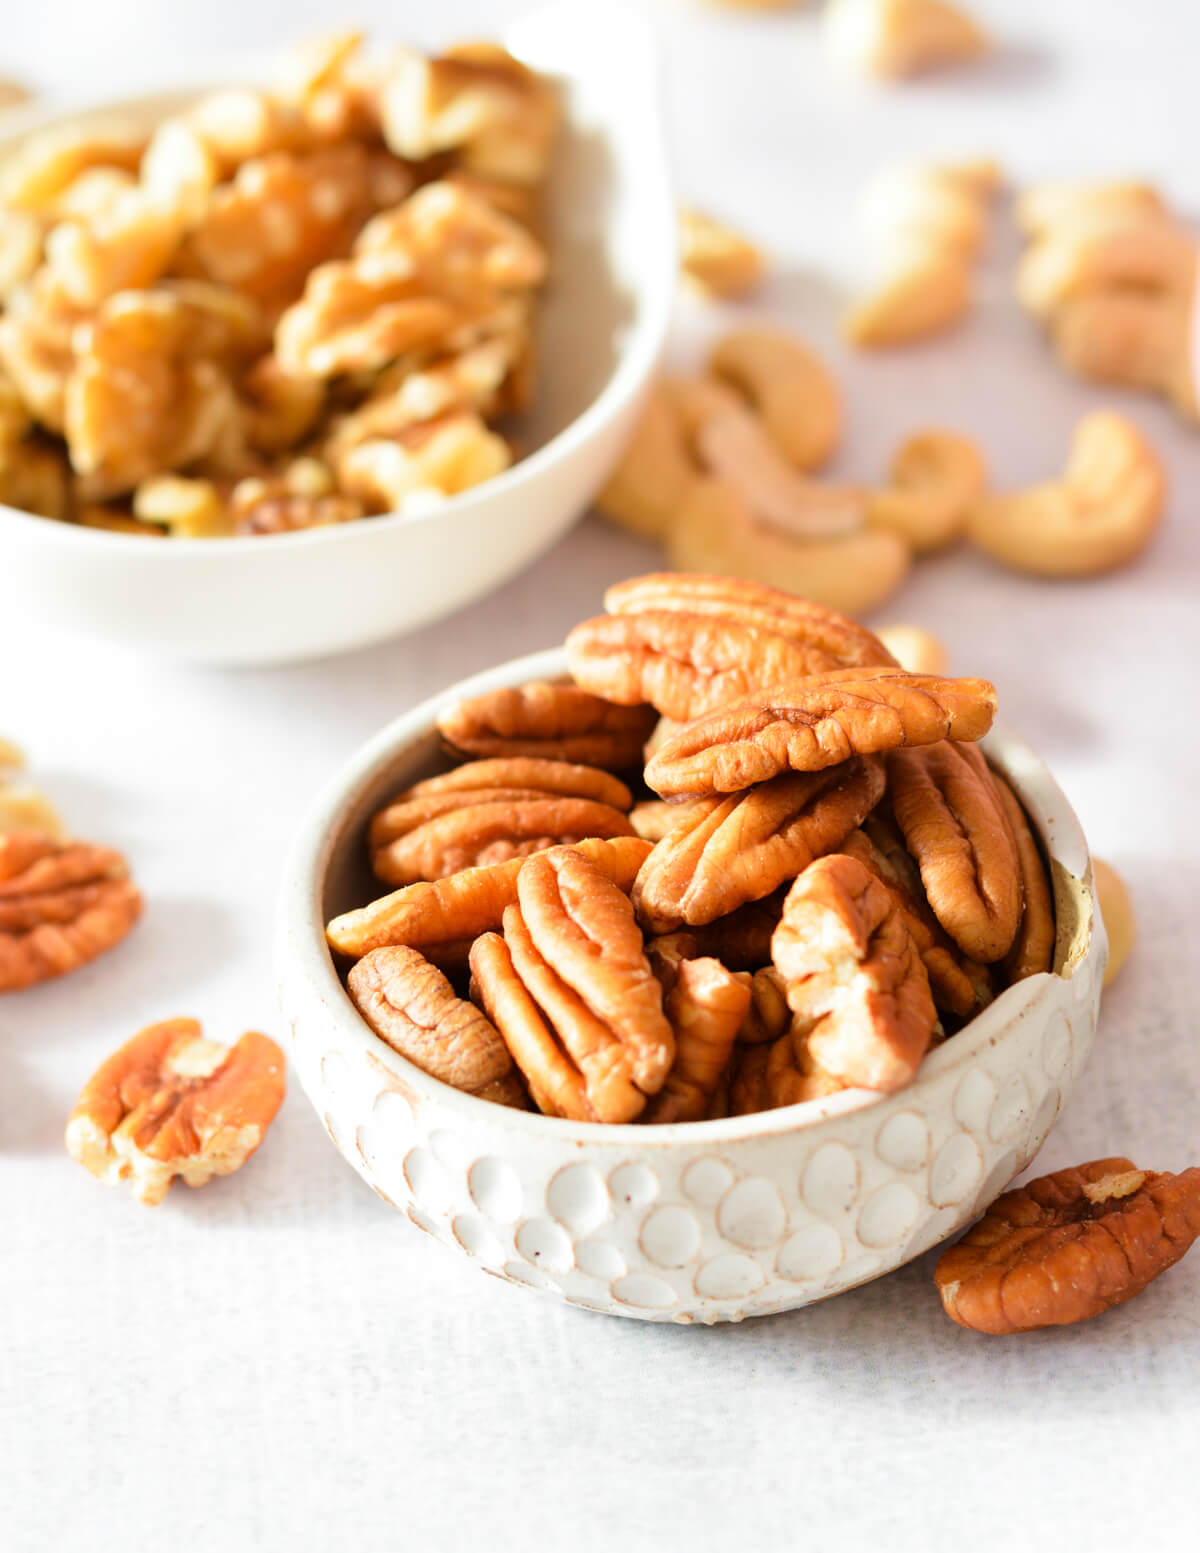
(279, 308)
(828, 879)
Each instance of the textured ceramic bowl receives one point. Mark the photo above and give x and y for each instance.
(702, 1221)
(601, 327)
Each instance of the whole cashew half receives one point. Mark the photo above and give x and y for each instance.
(934, 478)
(716, 532)
(927, 294)
(655, 473)
(1098, 516)
(789, 387)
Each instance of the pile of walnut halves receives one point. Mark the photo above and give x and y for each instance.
(830, 881)
(278, 308)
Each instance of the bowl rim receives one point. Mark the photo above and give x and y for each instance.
(638, 348)
(302, 950)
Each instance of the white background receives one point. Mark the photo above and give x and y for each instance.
(280, 1361)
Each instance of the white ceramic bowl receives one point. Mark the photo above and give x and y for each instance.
(601, 325)
(702, 1221)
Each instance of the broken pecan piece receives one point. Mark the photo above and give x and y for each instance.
(1069, 1246)
(170, 1103)
(783, 1073)
(61, 905)
(956, 828)
(742, 940)
(727, 851)
(855, 981)
(558, 722)
(442, 918)
(410, 1005)
(1032, 951)
(706, 1005)
(816, 722)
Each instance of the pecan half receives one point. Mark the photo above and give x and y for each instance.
(855, 981)
(955, 826)
(170, 1103)
(783, 1073)
(654, 819)
(1033, 948)
(410, 1005)
(1069, 1246)
(816, 722)
(742, 940)
(688, 643)
(559, 722)
(61, 905)
(727, 851)
(442, 918)
(706, 1005)
(768, 1015)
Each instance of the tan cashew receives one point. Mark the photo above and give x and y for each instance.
(793, 392)
(1099, 515)
(914, 648)
(1135, 338)
(1117, 910)
(943, 208)
(734, 446)
(926, 294)
(716, 532)
(650, 483)
(717, 260)
(696, 399)
(1147, 253)
(895, 38)
(934, 478)
(1042, 207)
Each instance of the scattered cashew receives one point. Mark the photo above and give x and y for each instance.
(1042, 207)
(734, 446)
(793, 393)
(696, 399)
(24, 809)
(914, 649)
(936, 207)
(716, 532)
(1138, 339)
(12, 94)
(1117, 910)
(927, 294)
(1148, 253)
(1099, 515)
(12, 757)
(716, 259)
(652, 480)
(934, 478)
(896, 38)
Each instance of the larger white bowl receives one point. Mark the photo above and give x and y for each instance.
(601, 328)
(701, 1221)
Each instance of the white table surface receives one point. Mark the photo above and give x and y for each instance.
(279, 1361)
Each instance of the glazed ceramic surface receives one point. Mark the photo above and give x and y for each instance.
(601, 326)
(707, 1221)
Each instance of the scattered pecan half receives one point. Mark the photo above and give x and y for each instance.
(560, 722)
(855, 981)
(689, 643)
(727, 851)
(816, 722)
(956, 828)
(410, 1005)
(170, 1103)
(61, 905)
(706, 1005)
(1069, 1246)
(442, 918)
(1033, 948)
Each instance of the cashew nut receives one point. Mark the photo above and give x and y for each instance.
(941, 207)
(1117, 910)
(927, 294)
(716, 532)
(791, 390)
(914, 649)
(12, 757)
(1135, 338)
(716, 259)
(894, 38)
(26, 810)
(655, 473)
(1147, 253)
(696, 399)
(734, 446)
(1042, 207)
(1099, 515)
(934, 478)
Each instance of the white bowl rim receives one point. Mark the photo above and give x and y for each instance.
(638, 352)
(302, 949)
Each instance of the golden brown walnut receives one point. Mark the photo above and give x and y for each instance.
(956, 829)
(793, 393)
(277, 407)
(49, 161)
(441, 918)
(303, 495)
(410, 1005)
(1069, 1246)
(35, 477)
(558, 722)
(1033, 948)
(37, 333)
(188, 509)
(170, 1103)
(817, 722)
(1117, 910)
(934, 478)
(855, 982)
(689, 643)
(61, 905)
(706, 1005)
(727, 851)
(718, 261)
(960, 986)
